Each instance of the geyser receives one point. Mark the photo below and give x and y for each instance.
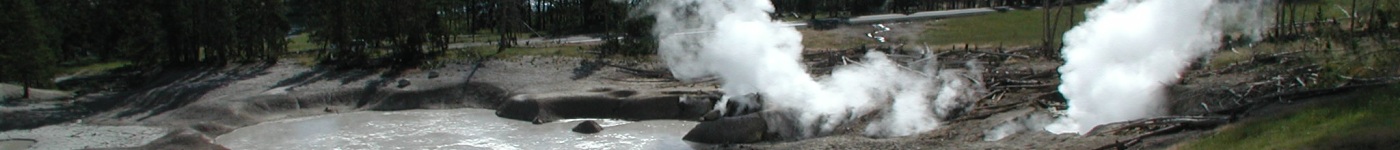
(1119, 61)
(736, 42)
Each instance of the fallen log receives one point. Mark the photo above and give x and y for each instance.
(984, 112)
(1003, 54)
(1261, 100)
(1190, 121)
(642, 72)
(1122, 145)
(1276, 58)
(1172, 124)
(1028, 86)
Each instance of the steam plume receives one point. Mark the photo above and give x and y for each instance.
(1118, 62)
(737, 42)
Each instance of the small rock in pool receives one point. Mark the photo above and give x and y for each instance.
(588, 127)
(403, 83)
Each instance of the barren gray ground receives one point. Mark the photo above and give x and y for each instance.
(204, 104)
(212, 102)
(189, 108)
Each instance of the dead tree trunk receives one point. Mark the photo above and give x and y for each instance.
(26, 86)
(1045, 42)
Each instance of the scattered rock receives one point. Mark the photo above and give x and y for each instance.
(403, 83)
(432, 74)
(588, 127)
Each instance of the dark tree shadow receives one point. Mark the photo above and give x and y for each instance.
(371, 89)
(171, 87)
(326, 73)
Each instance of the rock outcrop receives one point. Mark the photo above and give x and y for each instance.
(588, 127)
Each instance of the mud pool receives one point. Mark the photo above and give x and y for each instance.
(450, 129)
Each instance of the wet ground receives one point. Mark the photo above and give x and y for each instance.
(450, 129)
(76, 136)
(286, 106)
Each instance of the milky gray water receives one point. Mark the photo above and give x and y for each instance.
(449, 129)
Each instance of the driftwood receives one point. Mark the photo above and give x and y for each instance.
(1121, 145)
(1275, 58)
(1172, 124)
(1003, 54)
(984, 112)
(1178, 123)
(642, 72)
(1028, 86)
(1191, 121)
(636, 80)
(1262, 100)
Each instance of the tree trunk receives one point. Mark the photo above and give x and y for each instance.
(26, 86)
(1045, 41)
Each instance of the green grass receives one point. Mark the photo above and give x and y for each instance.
(1367, 119)
(830, 39)
(1016, 27)
(485, 36)
(567, 51)
(473, 52)
(301, 42)
(1026, 27)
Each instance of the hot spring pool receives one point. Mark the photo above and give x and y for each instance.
(450, 129)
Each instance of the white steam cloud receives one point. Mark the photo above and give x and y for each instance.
(1119, 61)
(737, 42)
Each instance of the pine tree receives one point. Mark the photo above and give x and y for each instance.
(24, 49)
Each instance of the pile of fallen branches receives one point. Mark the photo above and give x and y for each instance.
(1172, 124)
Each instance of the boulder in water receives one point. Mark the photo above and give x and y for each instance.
(403, 83)
(588, 127)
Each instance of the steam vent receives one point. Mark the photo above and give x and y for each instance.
(699, 74)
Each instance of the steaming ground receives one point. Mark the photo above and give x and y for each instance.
(739, 44)
(189, 107)
(209, 116)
